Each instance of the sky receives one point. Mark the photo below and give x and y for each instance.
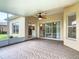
(3, 16)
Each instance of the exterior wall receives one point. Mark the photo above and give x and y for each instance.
(54, 18)
(3, 28)
(21, 21)
(68, 42)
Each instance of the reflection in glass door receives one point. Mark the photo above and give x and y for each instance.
(56, 30)
(48, 30)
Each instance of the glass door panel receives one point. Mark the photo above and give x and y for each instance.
(58, 29)
(42, 30)
(54, 30)
(48, 30)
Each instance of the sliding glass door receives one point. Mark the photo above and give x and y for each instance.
(51, 30)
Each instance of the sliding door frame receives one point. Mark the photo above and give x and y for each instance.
(52, 30)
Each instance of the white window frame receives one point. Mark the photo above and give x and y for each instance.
(15, 28)
(71, 14)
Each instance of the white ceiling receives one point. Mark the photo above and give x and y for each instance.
(30, 7)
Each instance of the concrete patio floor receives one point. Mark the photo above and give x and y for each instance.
(38, 49)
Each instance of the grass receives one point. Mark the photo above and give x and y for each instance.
(3, 37)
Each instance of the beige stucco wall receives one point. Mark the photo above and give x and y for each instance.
(21, 21)
(52, 18)
(70, 42)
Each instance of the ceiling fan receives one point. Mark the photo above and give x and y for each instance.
(41, 15)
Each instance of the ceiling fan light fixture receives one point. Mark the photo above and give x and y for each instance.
(40, 17)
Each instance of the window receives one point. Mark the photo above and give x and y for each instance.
(72, 26)
(15, 28)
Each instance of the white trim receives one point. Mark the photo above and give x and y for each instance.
(71, 38)
(51, 38)
(67, 26)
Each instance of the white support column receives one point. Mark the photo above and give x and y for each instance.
(8, 26)
(8, 32)
(37, 29)
(26, 28)
(77, 26)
